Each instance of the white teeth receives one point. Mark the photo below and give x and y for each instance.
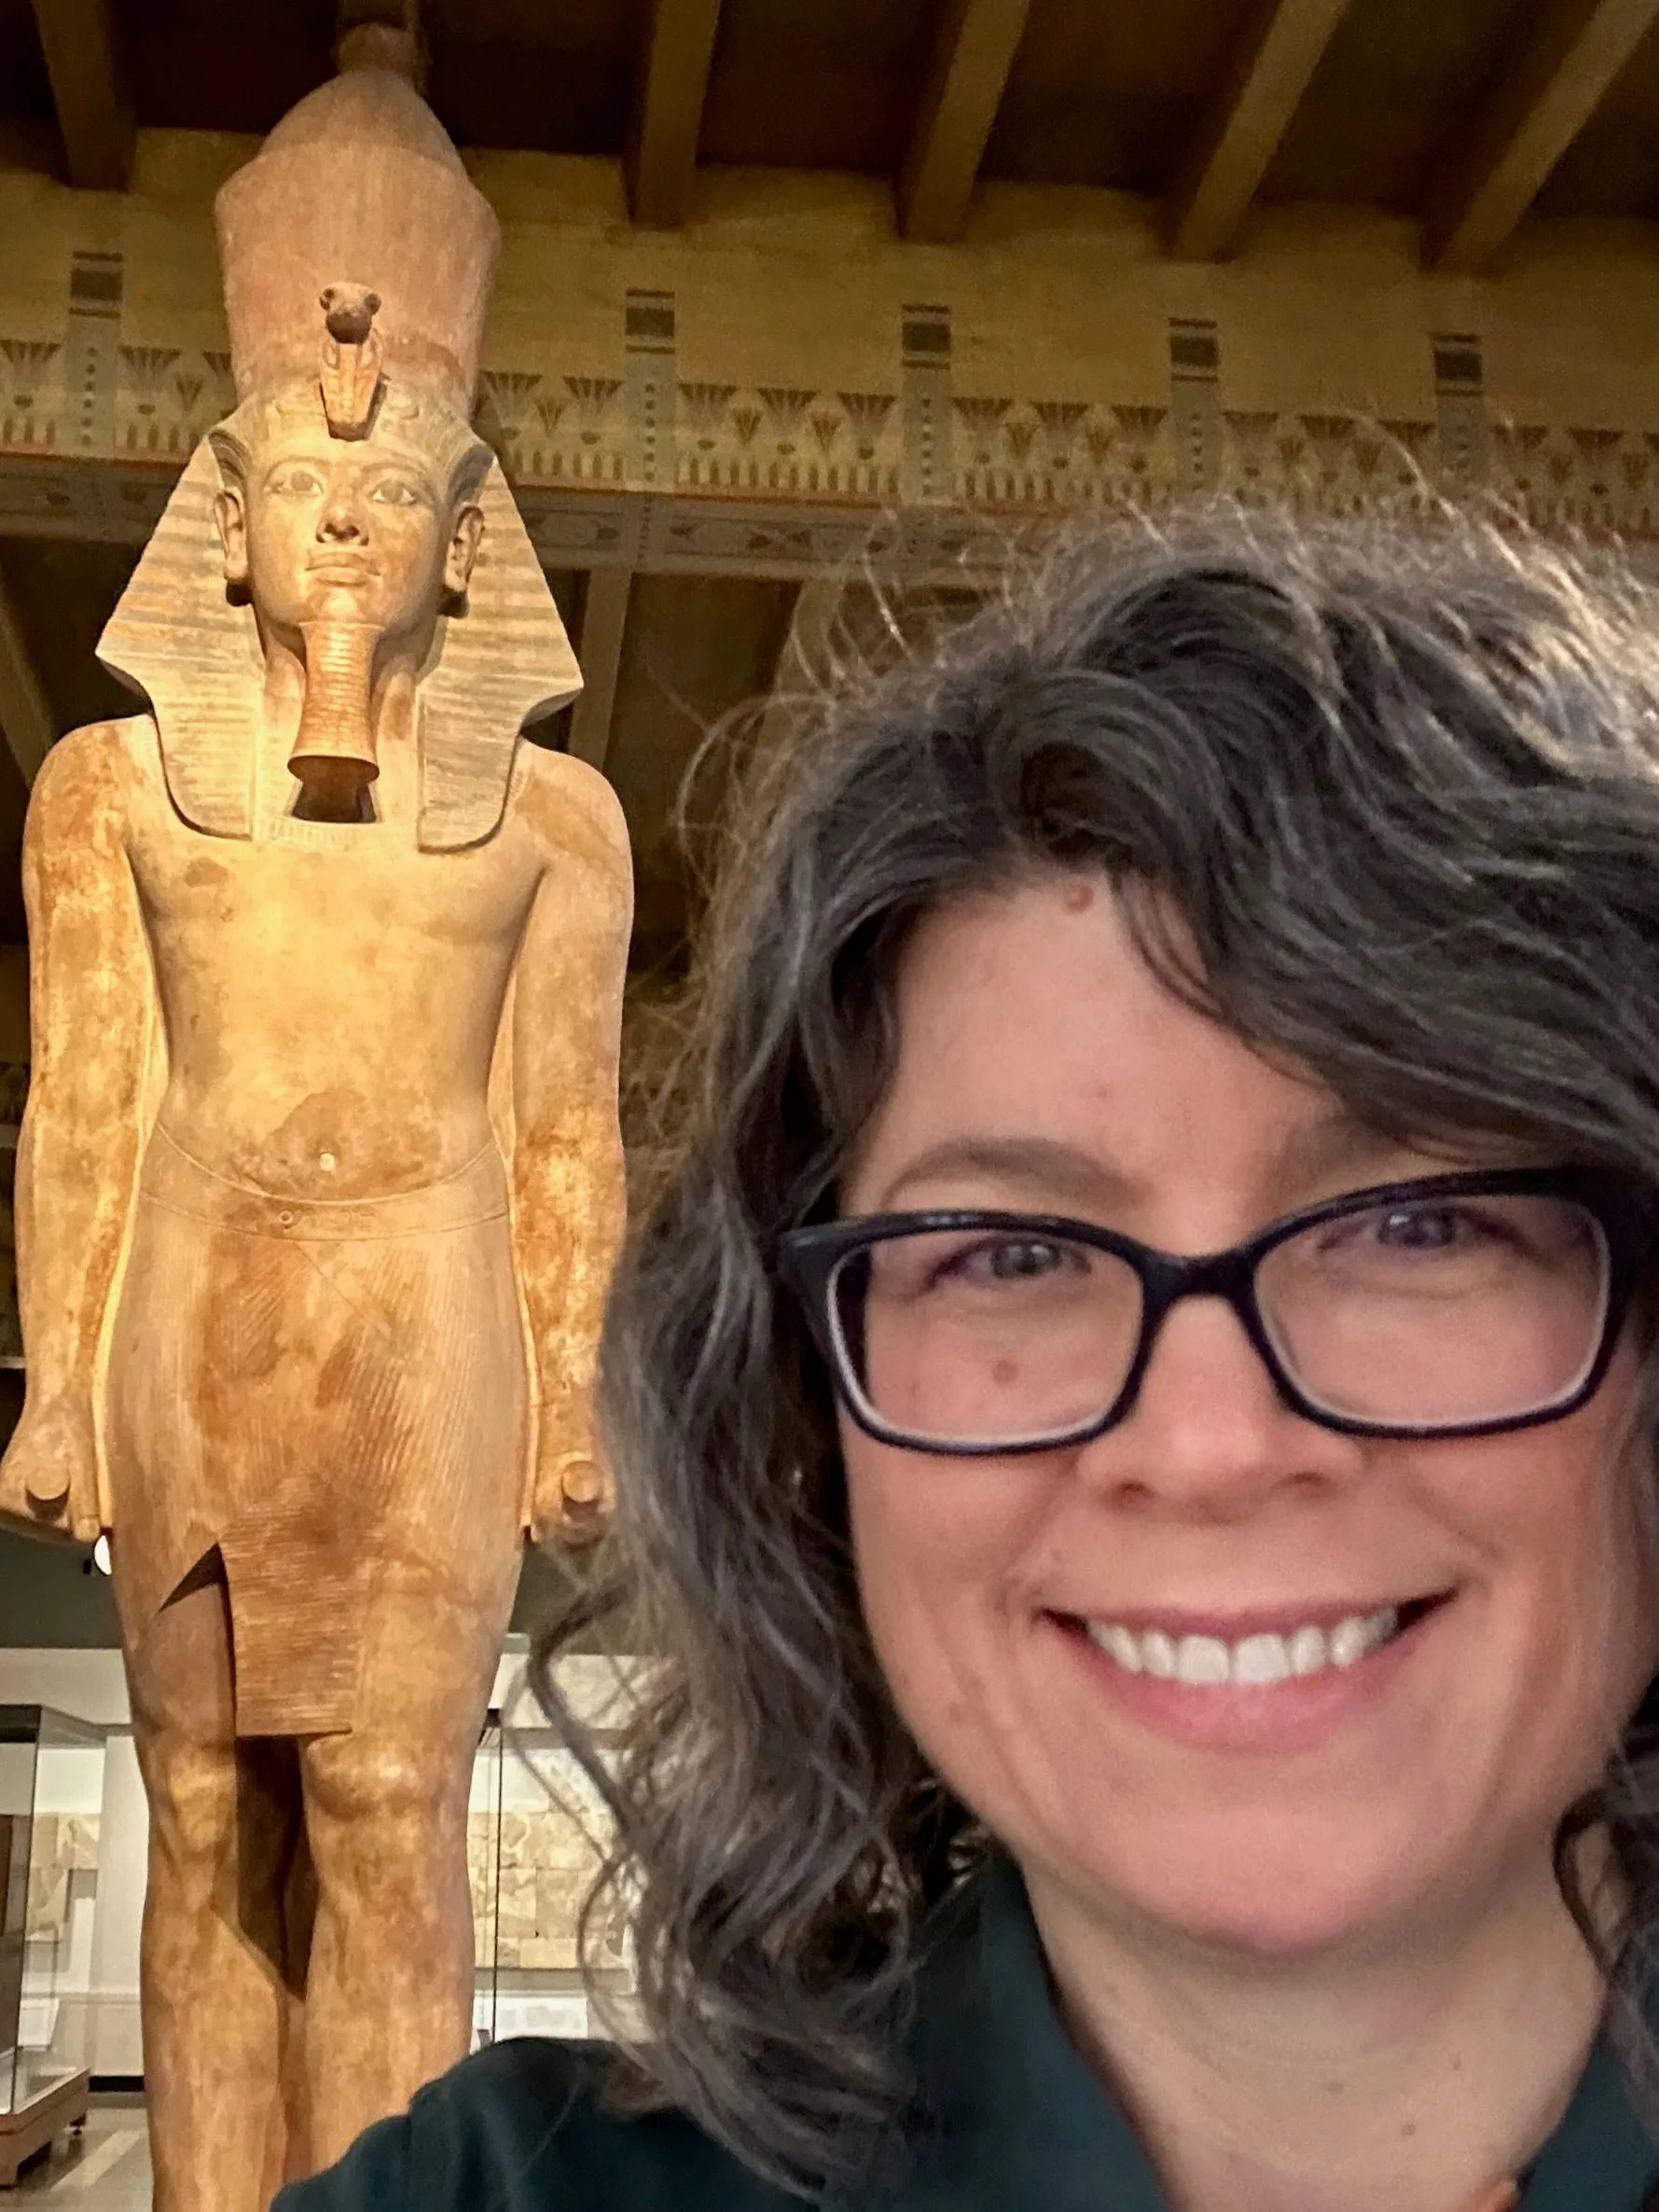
(1202, 1659)
(1158, 1653)
(1261, 1659)
(1309, 1650)
(1256, 1661)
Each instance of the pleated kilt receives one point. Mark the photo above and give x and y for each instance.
(335, 1395)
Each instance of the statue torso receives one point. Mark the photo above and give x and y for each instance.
(331, 995)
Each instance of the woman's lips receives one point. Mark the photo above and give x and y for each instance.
(1298, 1714)
(1237, 1621)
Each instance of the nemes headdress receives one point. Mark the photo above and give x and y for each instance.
(357, 259)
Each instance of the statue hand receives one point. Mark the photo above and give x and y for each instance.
(48, 1477)
(573, 1499)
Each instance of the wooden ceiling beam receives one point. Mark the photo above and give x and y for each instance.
(90, 89)
(604, 625)
(24, 715)
(1240, 136)
(972, 58)
(1534, 115)
(667, 119)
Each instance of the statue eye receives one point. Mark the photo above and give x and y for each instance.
(392, 492)
(295, 481)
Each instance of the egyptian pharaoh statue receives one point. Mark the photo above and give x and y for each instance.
(320, 1181)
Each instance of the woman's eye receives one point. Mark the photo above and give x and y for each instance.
(1416, 1227)
(1430, 1229)
(1020, 1261)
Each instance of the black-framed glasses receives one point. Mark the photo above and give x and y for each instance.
(1456, 1305)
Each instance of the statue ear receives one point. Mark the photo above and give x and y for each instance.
(230, 514)
(462, 549)
(508, 662)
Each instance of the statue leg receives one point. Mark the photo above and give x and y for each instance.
(389, 2005)
(300, 1912)
(222, 1826)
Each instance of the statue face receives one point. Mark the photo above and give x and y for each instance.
(327, 531)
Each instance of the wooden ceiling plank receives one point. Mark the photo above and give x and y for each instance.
(90, 89)
(1532, 117)
(1275, 67)
(972, 58)
(604, 624)
(673, 84)
(24, 715)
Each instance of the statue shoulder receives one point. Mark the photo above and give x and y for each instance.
(98, 766)
(574, 810)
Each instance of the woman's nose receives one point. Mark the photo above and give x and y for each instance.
(1208, 1432)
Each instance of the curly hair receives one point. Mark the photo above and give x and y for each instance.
(1400, 785)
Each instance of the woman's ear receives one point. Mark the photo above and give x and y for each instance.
(462, 549)
(231, 516)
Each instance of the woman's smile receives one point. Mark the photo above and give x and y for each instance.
(1265, 1692)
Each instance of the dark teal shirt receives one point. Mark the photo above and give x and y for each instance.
(1017, 2120)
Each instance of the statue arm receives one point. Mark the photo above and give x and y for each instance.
(568, 1202)
(92, 1018)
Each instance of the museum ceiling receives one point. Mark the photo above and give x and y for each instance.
(1472, 118)
(1103, 92)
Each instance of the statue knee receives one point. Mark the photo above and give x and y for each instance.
(192, 1788)
(377, 1809)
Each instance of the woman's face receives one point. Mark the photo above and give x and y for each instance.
(1365, 1797)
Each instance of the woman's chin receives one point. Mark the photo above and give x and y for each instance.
(1265, 1926)
(1276, 1896)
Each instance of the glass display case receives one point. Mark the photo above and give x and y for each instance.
(535, 1835)
(52, 1795)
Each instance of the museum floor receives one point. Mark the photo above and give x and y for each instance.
(108, 2172)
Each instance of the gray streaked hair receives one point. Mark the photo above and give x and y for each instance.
(1401, 787)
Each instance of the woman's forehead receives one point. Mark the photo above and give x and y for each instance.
(1044, 981)
(1030, 1018)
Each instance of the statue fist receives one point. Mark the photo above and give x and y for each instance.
(574, 1498)
(49, 1478)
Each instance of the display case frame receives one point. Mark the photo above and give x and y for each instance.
(536, 1830)
(52, 1768)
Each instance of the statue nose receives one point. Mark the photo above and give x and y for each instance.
(339, 524)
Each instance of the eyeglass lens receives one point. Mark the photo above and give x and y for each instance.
(1441, 1311)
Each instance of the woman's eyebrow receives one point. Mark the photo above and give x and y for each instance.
(1335, 1141)
(1039, 1164)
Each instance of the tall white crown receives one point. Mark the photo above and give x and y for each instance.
(359, 184)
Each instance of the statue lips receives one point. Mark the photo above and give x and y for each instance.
(338, 577)
(342, 567)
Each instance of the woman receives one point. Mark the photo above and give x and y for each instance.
(1133, 1420)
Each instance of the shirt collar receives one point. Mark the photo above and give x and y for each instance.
(1013, 2114)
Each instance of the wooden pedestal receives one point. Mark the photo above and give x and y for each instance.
(63, 2106)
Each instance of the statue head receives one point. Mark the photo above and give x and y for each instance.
(363, 513)
(350, 521)
(340, 513)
